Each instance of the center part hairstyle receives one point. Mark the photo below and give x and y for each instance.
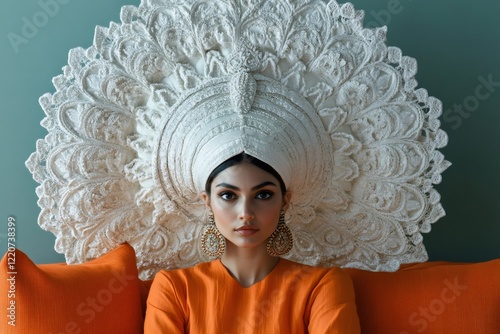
(142, 117)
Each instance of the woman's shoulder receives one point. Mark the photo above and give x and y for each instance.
(175, 285)
(318, 283)
(200, 271)
(314, 273)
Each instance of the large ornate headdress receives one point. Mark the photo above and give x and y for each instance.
(140, 119)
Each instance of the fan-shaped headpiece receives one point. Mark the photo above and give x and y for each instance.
(141, 118)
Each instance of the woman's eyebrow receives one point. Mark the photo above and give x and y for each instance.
(227, 185)
(230, 186)
(264, 184)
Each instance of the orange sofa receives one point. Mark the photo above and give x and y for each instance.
(106, 296)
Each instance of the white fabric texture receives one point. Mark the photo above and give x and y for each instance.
(139, 120)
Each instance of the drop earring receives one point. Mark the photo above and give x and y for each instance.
(213, 242)
(281, 241)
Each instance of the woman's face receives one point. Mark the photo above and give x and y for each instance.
(246, 202)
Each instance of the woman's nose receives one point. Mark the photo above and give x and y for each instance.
(246, 210)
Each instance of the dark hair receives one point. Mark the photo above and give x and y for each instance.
(239, 159)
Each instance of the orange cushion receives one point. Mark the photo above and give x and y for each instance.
(100, 296)
(430, 298)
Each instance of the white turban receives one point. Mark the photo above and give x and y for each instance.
(280, 128)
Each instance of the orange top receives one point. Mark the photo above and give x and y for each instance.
(292, 298)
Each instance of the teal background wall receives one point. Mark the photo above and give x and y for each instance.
(456, 44)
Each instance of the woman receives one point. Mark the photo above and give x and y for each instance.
(249, 289)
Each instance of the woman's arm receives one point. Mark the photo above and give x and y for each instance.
(164, 313)
(333, 306)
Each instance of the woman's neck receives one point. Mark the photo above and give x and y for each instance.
(248, 265)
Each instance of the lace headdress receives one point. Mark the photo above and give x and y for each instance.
(140, 119)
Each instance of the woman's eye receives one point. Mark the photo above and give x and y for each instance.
(264, 195)
(227, 196)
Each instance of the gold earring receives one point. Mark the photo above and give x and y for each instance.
(213, 242)
(281, 241)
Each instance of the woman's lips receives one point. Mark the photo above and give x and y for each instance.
(246, 230)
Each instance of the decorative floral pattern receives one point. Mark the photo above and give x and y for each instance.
(98, 184)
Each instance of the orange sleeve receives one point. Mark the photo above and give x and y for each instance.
(332, 305)
(164, 312)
